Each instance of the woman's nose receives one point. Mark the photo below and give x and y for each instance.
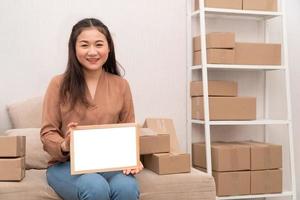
(92, 50)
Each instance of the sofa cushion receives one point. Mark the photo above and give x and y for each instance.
(26, 114)
(35, 156)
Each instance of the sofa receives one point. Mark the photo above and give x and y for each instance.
(25, 118)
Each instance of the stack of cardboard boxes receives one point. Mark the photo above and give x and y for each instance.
(12, 158)
(242, 168)
(263, 5)
(160, 149)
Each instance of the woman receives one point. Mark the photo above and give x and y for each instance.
(91, 91)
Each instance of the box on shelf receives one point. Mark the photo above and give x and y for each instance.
(215, 88)
(225, 108)
(224, 156)
(229, 4)
(168, 163)
(12, 146)
(266, 181)
(12, 169)
(263, 5)
(257, 54)
(153, 143)
(215, 56)
(218, 40)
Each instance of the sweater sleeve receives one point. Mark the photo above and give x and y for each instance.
(127, 112)
(51, 135)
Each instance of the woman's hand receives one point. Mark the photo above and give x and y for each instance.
(133, 171)
(65, 145)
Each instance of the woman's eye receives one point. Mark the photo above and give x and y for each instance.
(84, 45)
(99, 45)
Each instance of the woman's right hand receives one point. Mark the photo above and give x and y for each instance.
(65, 145)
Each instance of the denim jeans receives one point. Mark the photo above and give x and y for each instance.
(96, 186)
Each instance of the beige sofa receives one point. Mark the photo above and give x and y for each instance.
(25, 117)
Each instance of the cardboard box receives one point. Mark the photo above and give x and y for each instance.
(264, 5)
(164, 126)
(257, 54)
(12, 169)
(265, 155)
(12, 146)
(230, 4)
(266, 181)
(225, 108)
(224, 156)
(215, 88)
(154, 143)
(218, 40)
(168, 163)
(215, 56)
(232, 183)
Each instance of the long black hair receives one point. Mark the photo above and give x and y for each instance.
(73, 87)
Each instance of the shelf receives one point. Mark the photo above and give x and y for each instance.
(233, 13)
(252, 122)
(240, 67)
(283, 194)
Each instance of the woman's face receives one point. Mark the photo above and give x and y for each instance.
(91, 49)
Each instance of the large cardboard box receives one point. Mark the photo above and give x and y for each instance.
(224, 156)
(218, 40)
(266, 181)
(215, 88)
(12, 169)
(265, 155)
(264, 5)
(153, 143)
(230, 4)
(232, 183)
(12, 146)
(168, 163)
(215, 56)
(225, 108)
(257, 54)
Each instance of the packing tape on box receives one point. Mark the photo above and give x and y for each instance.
(235, 179)
(267, 158)
(234, 159)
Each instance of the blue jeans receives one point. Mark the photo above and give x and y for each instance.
(97, 186)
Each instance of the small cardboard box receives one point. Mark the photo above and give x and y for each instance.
(215, 56)
(218, 40)
(12, 169)
(225, 108)
(230, 4)
(257, 54)
(12, 146)
(168, 163)
(265, 155)
(232, 183)
(215, 88)
(266, 181)
(264, 5)
(153, 143)
(224, 156)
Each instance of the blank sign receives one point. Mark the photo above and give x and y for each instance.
(104, 148)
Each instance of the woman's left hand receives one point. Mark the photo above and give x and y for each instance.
(133, 171)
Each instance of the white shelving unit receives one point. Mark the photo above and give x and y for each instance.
(262, 17)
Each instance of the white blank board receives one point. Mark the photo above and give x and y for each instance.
(104, 148)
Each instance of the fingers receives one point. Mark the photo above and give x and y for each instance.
(72, 125)
(133, 171)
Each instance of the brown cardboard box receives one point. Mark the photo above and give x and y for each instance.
(168, 163)
(158, 143)
(265, 155)
(12, 146)
(232, 183)
(215, 56)
(230, 4)
(225, 108)
(215, 88)
(164, 126)
(257, 54)
(264, 5)
(218, 40)
(266, 181)
(224, 156)
(12, 169)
